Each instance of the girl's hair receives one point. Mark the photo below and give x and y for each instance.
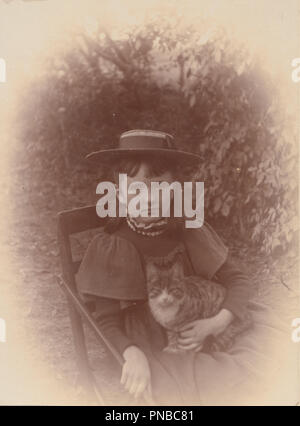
(157, 165)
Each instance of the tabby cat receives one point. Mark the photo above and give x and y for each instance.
(175, 300)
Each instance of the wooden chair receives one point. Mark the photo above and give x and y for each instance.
(72, 222)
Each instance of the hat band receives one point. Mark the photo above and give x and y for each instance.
(145, 142)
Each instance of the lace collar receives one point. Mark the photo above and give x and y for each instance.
(152, 229)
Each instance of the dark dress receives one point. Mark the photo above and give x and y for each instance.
(112, 273)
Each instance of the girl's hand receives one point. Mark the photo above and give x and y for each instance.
(136, 375)
(192, 335)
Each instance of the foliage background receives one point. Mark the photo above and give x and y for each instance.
(37, 180)
(196, 84)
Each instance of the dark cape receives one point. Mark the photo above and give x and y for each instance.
(112, 266)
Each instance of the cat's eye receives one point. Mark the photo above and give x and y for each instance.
(176, 292)
(154, 292)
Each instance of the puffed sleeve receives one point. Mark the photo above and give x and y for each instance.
(112, 268)
(206, 250)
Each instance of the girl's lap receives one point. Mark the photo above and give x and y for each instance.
(244, 374)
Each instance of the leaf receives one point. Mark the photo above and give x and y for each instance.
(217, 205)
(275, 243)
(192, 100)
(260, 178)
(240, 68)
(225, 209)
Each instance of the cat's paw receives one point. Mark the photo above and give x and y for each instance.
(216, 347)
(221, 345)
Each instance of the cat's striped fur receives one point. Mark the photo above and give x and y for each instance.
(176, 300)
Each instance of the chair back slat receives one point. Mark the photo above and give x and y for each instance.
(80, 220)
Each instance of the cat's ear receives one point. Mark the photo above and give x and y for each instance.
(177, 271)
(151, 272)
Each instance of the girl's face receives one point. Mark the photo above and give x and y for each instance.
(147, 173)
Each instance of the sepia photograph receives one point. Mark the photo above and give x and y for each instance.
(149, 204)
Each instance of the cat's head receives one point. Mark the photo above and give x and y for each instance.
(166, 286)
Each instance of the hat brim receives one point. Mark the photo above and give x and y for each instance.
(107, 155)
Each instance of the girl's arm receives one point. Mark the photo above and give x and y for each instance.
(136, 375)
(239, 288)
(109, 317)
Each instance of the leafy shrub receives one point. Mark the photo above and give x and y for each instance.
(208, 93)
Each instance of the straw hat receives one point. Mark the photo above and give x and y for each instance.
(152, 142)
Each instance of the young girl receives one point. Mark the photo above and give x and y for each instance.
(113, 273)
